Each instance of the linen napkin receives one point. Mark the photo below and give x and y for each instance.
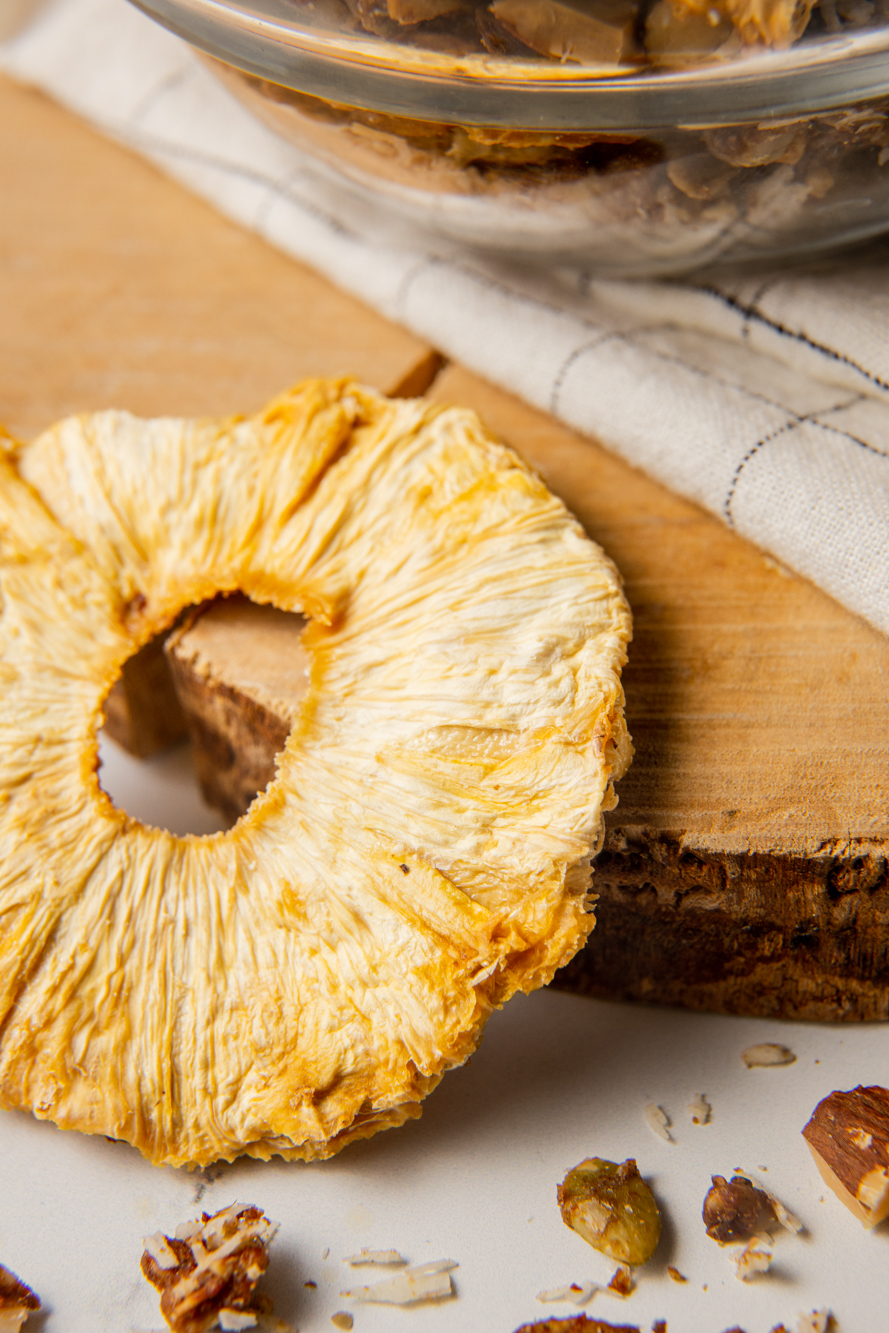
(764, 397)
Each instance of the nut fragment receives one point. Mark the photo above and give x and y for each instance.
(17, 1301)
(208, 1271)
(342, 1319)
(579, 1323)
(767, 1053)
(735, 1210)
(848, 1136)
(783, 1216)
(621, 1283)
(612, 1208)
(675, 1274)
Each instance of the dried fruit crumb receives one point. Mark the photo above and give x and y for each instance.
(700, 1109)
(578, 1293)
(818, 1321)
(756, 1257)
(675, 1274)
(767, 1053)
(658, 1121)
(381, 1258)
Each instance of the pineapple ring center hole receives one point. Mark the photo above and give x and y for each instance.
(197, 719)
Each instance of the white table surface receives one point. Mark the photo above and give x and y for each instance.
(558, 1078)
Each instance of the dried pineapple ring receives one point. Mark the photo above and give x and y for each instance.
(286, 987)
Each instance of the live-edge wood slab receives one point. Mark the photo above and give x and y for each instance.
(745, 868)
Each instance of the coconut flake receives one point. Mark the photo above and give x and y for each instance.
(767, 1053)
(756, 1257)
(232, 1320)
(657, 1120)
(159, 1250)
(700, 1109)
(576, 1292)
(424, 1282)
(379, 1257)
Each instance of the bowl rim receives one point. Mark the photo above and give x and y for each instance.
(262, 38)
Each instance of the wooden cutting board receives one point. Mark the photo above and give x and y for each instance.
(746, 866)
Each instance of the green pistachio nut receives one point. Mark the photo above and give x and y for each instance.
(612, 1208)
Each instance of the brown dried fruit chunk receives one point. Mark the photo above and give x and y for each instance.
(420, 11)
(562, 33)
(17, 1301)
(735, 1210)
(212, 1269)
(612, 1208)
(848, 1136)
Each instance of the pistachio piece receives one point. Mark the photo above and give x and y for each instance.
(612, 1208)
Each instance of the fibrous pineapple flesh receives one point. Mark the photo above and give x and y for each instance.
(305, 978)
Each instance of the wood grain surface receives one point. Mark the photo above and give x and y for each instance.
(746, 866)
(119, 289)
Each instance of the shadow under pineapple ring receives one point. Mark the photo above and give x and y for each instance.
(284, 987)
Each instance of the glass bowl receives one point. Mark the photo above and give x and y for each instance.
(635, 138)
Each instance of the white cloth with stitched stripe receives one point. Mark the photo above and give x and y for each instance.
(764, 397)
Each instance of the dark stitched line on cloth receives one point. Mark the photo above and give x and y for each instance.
(569, 361)
(751, 313)
(494, 285)
(151, 144)
(754, 304)
(834, 430)
(710, 375)
(760, 444)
